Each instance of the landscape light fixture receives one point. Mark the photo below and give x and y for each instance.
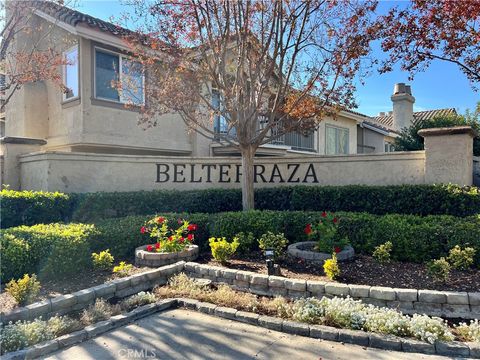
(269, 260)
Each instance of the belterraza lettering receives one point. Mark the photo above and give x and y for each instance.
(232, 173)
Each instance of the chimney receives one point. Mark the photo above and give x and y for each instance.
(403, 101)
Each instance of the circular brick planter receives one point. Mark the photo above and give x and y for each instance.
(154, 259)
(305, 250)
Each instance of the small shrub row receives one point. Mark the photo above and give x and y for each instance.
(30, 207)
(414, 238)
(58, 249)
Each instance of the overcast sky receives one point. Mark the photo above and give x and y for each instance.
(441, 86)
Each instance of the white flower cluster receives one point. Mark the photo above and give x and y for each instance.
(19, 335)
(16, 336)
(469, 332)
(353, 314)
(139, 299)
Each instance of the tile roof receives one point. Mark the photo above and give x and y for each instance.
(387, 120)
(74, 17)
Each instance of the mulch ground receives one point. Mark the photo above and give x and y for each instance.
(363, 270)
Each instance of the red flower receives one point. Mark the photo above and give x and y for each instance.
(170, 238)
(190, 237)
(337, 249)
(324, 214)
(335, 220)
(192, 227)
(157, 245)
(160, 220)
(181, 240)
(308, 229)
(143, 230)
(149, 248)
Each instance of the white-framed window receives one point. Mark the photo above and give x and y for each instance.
(71, 74)
(389, 147)
(336, 140)
(112, 69)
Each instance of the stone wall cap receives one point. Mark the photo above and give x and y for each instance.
(447, 131)
(22, 140)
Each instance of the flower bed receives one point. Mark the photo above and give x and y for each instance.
(305, 316)
(143, 257)
(171, 245)
(305, 250)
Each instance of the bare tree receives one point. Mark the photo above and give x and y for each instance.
(271, 67)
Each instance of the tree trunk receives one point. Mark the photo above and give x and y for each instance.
(248, 200)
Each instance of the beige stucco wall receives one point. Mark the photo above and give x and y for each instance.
(449, 155)
(83, 172)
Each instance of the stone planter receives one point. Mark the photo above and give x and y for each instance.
(306, 251)
(154, 259)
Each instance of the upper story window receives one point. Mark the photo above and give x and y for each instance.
(336, 140)
(112, 69)
(70, 73)
(219, 122)
(389, 147)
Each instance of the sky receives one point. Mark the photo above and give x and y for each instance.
(442, 85)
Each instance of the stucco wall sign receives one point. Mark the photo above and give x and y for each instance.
(227, 173)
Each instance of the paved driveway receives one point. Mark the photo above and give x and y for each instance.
(183, 334)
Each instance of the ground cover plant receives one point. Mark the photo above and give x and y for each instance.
(338, 312)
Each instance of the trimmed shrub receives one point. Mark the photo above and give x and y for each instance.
(53, 250)
(223, 250)
(102, 260)
(439, 269)
(29, 207)
(414, 238)
(276, 242)
(104, 205)
(34, 207)
(382, 252)
(24, 290)
(461, 259)
(331, 267)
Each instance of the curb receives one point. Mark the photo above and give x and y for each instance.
(90, 331)
(328, 333)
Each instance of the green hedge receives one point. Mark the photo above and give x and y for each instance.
(49, 250)
(33, 207)
(30, 208)
(402, 199)
(415, 238)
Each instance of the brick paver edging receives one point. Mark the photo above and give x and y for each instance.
(119, 288)
(450, 304)
(358, 337)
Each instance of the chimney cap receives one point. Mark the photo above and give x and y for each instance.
(399, 88)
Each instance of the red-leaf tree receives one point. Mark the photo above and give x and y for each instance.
(427, 30)
(276, 66)
(26, 57)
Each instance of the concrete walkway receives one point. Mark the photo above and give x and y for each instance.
(184, 334)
